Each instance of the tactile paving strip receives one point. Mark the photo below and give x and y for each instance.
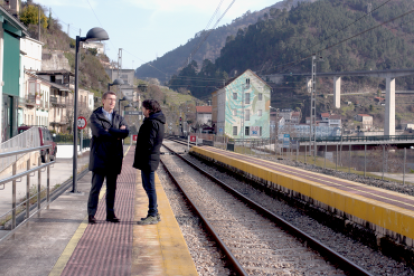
(106, 248)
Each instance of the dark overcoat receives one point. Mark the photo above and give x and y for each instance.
(107, 150)
(150, 136)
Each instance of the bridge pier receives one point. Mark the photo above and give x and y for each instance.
(337, 92)
(389, 124)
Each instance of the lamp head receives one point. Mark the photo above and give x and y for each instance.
(118, 82)
(96, 34)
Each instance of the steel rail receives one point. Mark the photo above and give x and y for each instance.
(11, 153)
(238, 268)
(328, 253)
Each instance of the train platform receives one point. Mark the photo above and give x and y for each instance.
(388, 214)
(59, 240)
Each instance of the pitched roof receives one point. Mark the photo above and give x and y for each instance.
(325, 115)
(205, 109)
(364, 115)
(335, 117)
(296, 114)
(379, 99)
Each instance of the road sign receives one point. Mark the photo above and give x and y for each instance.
(193, 138)
(81, 122)
(133, 112)
(134, 138)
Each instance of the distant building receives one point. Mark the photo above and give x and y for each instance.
(287, 114)
(296, 117)
(246, 95)
(127, 75)
(204, 114)
(335, 121)
(366, 120)
(99, 46)
(325, 117)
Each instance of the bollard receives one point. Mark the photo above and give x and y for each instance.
(349, 162)
(326, 149)
(337, 157)
(28, 191)
(48, 184)
(39, 179)
(14, 200)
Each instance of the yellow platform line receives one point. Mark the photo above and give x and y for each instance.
(159, 249)
(385, 215)
(70, 247)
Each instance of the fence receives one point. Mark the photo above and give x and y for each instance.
(27, 139)
(25, 205)
(381, 138)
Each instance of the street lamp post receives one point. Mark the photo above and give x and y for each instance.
(119, 103)
(276, 131)
(92, 35)
(116, 82)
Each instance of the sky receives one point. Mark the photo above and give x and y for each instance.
(145, 29)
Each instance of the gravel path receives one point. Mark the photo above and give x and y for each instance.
(373, 261)
(259, 245)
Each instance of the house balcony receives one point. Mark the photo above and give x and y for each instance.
(58, 101)
(30, 100)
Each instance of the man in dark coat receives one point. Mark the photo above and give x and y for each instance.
(147, 154)
(107, 153)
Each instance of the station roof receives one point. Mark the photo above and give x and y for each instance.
(205, 109)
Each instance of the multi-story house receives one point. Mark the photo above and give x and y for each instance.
(11, 31)
(242, 107)
(31, 62)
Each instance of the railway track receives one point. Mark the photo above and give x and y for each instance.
(254, 240)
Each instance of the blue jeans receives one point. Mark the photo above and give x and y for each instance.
(148, 183)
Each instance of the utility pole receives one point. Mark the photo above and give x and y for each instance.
(312, 134)
(38, 22)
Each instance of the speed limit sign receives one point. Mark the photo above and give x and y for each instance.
(81, 122)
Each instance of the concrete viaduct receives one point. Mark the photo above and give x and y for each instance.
(389, 75)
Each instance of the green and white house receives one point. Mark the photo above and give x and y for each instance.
(243, 107)
(11, 30)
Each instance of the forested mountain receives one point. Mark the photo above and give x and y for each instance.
(278, 42)
(176, 59)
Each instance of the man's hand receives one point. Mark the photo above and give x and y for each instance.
(122, 127)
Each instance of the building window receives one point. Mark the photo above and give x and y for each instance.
(247, 115)
(235, 130)
(247, 81)
(247, 98)
(234, 96)
(247, 131)
(234, 112)
(259, 113)
(260, 131)
(260, 96)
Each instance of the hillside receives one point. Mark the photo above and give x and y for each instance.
(174, 60)
(58, 45)
(278, 42)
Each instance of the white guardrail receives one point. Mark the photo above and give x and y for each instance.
(28, 139)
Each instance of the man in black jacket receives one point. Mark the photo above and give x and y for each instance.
(107, 153)
(147, 154)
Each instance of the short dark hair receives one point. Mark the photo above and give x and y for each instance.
(106, 94)
(152, 105)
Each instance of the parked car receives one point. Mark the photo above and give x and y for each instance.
(45, 140)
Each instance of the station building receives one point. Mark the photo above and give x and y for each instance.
(248, 95)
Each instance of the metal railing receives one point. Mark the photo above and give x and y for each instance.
(28, 139)
(345, 139)
(18, 207)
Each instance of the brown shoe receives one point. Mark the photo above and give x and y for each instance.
(91, 219)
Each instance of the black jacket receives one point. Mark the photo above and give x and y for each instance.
(106, 146)
(150, 136)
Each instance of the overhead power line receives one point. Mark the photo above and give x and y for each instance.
(209, 32)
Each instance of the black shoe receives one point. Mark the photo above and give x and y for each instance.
(91, 219)
(112, 218)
